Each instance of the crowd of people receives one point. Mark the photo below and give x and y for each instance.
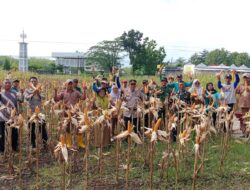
(107, 93)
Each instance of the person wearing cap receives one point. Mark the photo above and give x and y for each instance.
(183, 94)
(70, 97)
(132, 98)
(164, 91)
(244, 91)
(10, 100)
(103, 83)
(228, 88)
(15, 86)
(34, 97)
(176, 85)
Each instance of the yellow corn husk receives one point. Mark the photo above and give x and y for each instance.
(86, 119)
(130, 127)
(157, 125)
(222, 93)
(62, 139)
(194, 94)
(37, 110)
(68, 140)
(80, 141)
(183, 134)
(193, 106)
(13, 113)
(233, 75)
(146, 89)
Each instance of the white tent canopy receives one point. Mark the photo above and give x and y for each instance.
(201, 65)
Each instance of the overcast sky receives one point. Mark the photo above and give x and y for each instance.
(181, 26)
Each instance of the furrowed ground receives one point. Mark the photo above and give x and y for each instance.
(234, 175)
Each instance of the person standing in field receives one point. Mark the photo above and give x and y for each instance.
(196, 92)
(163, 93)
(132, 98)
(34, 97)
(228, 89)
(75, 85)
(211, 98)
(102, 102)
(244, 91)
(8, 101)
(179, 79)
(71, 97)
(244, 101)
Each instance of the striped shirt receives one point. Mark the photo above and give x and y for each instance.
(8, 99)
(33, 100)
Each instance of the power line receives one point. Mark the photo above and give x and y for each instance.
(49, 42)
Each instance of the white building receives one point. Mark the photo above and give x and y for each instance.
(72, 62)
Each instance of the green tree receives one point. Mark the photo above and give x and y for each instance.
(150, 56)
(42, 65)
(132, 44)
(105, 54)
(180, 61)
(6, 65)
(217, 57)
(143, 53)
(242, 59)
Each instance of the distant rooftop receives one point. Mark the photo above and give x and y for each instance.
(68, 55)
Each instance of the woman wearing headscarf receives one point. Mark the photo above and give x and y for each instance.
(115, 95)
(196, 92)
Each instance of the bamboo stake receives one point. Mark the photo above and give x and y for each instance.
(100, 150)
(37, 154)
(128, 161)
(151, 164)
(195, 169)
(117, 160)
(86, 159)
(20, 159)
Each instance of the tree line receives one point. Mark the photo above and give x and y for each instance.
(35, 64)
(144, 53)
(220, 56)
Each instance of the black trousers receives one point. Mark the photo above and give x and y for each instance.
(134, 122)
(14, 137)
(231, 107)
(42, 129)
